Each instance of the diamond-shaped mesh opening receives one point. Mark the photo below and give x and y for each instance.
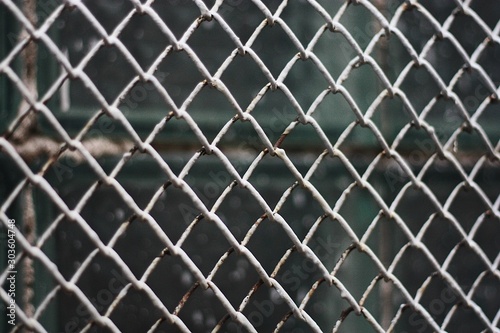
(73, 247)
(334, 51)
(466, 276)
(101, 284)
(141, 194)
(240, 200)
(416, 267)
(386, 239)
(209, 188)
(235, 271)
(205, 251)
(234, 166)
(471, 36)
(147, 246)
(265, 310)
(275, 48)
(73, 318)
(212, 117)
(467, 217)
(275, 238)
(486, 295)
(416, 28)
(202, 309)
(392, 57)
(211, 33)
(487, 228)
(316, 80)
(368, 90)
(139, 311)
(486, 15)
(487, 59)
(107, 65)
(362, 33)
(441, 237)
(181, 73)
(300, 135)
(73, 33)
(79, 96)
(471, 91)
(433, 179)
(304, 29)
(391, 109)
(179, 134)
(325, 306)
(419, 88)
(243, 17)
(328, 242)
(445, 52)
(486, 120)
(248, 141)
(170, 280)
(471, 321)
(99, 212)
(415, 220)
(271, 188)
(142, 97)
(298, 201)
(143, 28)
(364, 274)
(276, 113)
(244, 66)
(439, 299)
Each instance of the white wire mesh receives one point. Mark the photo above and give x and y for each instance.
(20, 144)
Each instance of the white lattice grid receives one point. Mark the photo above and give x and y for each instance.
(38, 34)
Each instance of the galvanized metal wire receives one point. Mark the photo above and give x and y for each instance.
(388, 154)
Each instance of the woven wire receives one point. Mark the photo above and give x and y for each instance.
(387, 154)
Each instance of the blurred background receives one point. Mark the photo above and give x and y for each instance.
(439, 213)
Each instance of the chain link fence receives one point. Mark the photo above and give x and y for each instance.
(249, 166)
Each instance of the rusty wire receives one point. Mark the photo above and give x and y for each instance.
(243, 113)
